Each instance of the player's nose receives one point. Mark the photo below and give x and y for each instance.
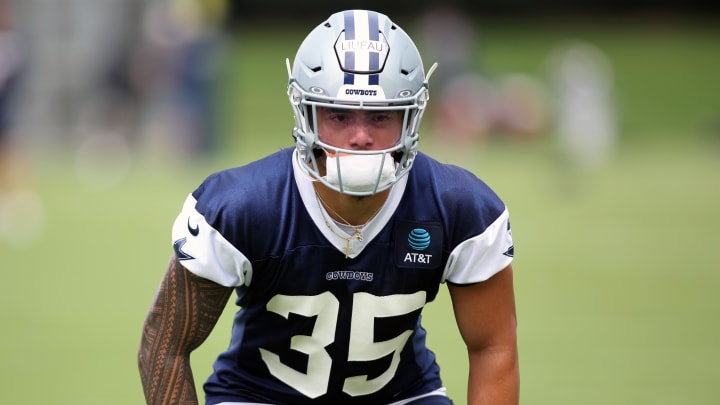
(361, 137)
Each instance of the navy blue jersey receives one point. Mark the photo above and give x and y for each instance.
(319, 323)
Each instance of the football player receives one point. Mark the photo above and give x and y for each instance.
(334, 246)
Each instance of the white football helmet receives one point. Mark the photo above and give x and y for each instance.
(357, 59)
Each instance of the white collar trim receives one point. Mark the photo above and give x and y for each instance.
(371, 229)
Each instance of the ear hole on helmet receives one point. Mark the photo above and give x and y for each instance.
(316, 69)
(397, 156)
(404, 72)
(328, 25)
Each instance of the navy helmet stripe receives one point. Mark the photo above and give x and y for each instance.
(374, 59)
(367, 26)
(374, 33)
(349, 35)
(373, 28)
(349, 63)
(349, 25)
(350, 60)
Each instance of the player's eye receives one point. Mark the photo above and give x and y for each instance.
(337, 115)
(380, 117)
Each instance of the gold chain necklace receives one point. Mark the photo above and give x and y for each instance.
(356, 228)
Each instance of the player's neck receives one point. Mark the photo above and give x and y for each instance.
(354, 210)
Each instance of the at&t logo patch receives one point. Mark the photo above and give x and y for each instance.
(418, 245)
(419, 239)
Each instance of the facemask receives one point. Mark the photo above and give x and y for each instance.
(359, 173)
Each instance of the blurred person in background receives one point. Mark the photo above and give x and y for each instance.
(11, 67)
(72, 104)
(472, 106)
(465, 96)
(581, 75)
(333, 248)
(21, 210)
(175, 66)
(109, 79)
(156, 90)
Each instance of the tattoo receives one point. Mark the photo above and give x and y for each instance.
(184, 312)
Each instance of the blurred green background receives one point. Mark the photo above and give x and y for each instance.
(617, 266)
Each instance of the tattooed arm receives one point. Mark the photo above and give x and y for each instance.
(185, 310)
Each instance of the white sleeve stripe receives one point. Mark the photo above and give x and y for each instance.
(211, 256)
(481, 257)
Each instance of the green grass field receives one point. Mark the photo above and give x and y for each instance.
(616, 269)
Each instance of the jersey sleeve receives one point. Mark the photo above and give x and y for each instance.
(482, 256)
(205, 252)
